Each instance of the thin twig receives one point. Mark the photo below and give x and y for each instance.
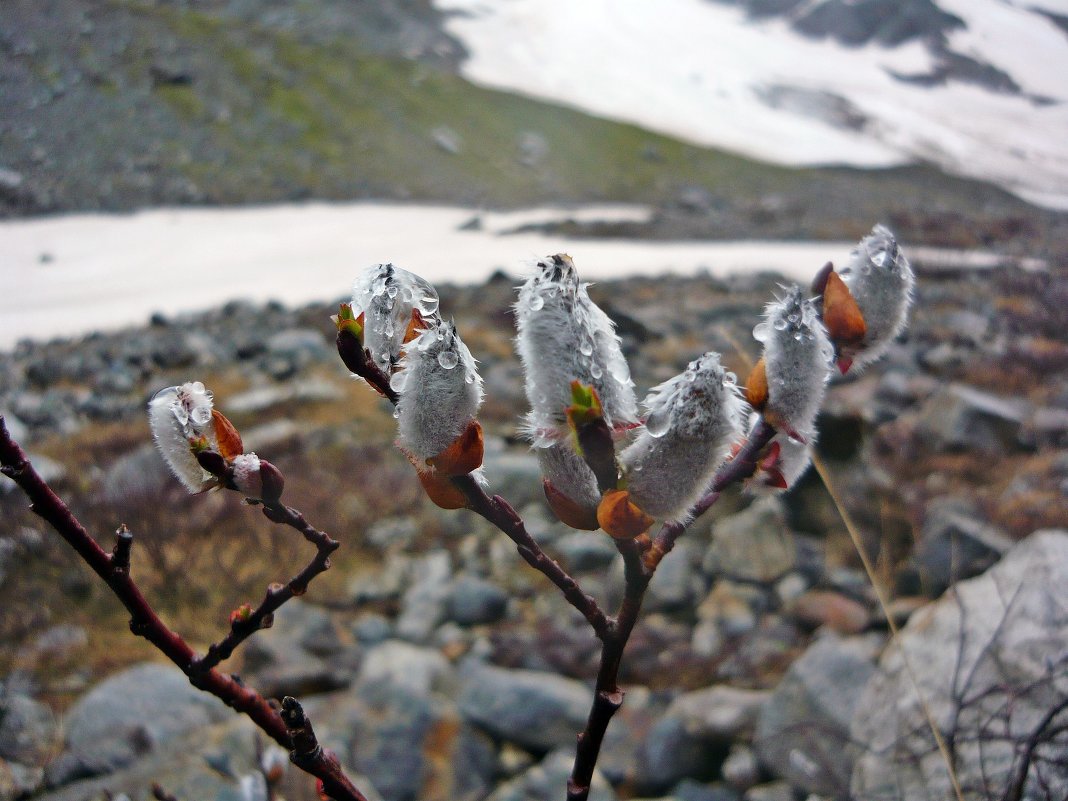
(608, 695)
(311, 757)
(501, 514)
(277, 594)
(114, 570)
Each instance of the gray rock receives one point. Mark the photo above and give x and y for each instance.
(260, 399)
(802, 732)
(690, 790)
(988, 659)
(547, 781)
(19, 781)
(416, 669)
(424, 605)
(371, 629)
(752, 544)
(956, 542)
(28, 730)
(670, 754)
(414, 746)
(473, 601)
(720, 713)
(539, 711)
(514, 474)
(585, 551)
(959, 417)
(131, 713)
(676, 583)
(288, 658)
(740, 768)
(773, 791)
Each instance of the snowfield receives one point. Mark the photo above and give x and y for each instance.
(69, 275)
(703, 72)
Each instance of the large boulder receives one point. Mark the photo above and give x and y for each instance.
(989, 662)
(802, 732)
(124, 717)
(536, 710)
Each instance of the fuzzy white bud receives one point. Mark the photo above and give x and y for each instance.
(386, 296)
(797, 358)
(562, 337)
(179, 417)
(692, 420)
(570, 475)
(881, 281)
(246, 475)
(440, 391)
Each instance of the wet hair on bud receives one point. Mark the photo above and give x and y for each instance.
(692, 420)
(563, 336)
(881, 282)
(440, 391)
(386, 296)
(181, 422)
(796, 362)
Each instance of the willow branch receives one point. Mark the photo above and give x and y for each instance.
(311, 757)
(114, 570)
(242, 627)
(501, 514)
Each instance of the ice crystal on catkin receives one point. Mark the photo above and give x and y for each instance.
(881, 281)
(563, 337)
(386, 296)
(692, 420)
(797, 358)
(181, 423)
(440, 391)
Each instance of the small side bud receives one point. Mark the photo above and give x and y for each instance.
(241, 615)
(620, 517)
(227, 438)
(440, 393)
(562, 336)
(797, 357)
(881, 282)
(256, 478)
(385, 297)
(691, 423)
(182, 425)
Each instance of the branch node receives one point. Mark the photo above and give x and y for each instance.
(120, 554)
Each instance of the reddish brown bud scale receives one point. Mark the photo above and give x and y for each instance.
(567, 511)
(415, 326)
(819, 283)
(841, 315)
(756, 386)
(620, 517)
(226, 435)
(463, 455)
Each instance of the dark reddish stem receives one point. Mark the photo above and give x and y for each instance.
(311, 757)
(639, 567)
(501, 514)
(114, 570)
(607, 694)
(277, 594)
(599, 451)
